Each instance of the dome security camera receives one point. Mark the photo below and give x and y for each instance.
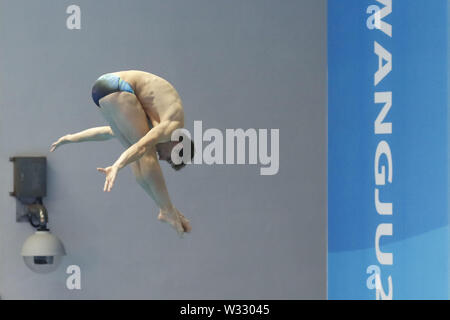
(42, 252)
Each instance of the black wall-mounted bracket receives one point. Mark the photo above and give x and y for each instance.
(30, 186)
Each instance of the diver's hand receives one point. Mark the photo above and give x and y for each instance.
(59, 142)
(111, 173)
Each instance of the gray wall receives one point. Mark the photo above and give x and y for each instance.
(248, 64)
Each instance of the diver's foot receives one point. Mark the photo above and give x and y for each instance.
(185, 222)
(172, 218)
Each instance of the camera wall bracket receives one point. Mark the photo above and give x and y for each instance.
(30, 186)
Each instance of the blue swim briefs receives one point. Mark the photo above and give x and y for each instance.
(107, 84)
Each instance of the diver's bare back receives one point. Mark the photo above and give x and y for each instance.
(158, 97)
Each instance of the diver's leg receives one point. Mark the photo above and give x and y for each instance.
(126, 117)
(140, 179)
(126, 114)
(144, 182)
(151, 174)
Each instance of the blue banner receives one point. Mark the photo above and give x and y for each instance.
(388, 151)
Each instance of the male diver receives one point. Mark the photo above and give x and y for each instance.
(142, 111)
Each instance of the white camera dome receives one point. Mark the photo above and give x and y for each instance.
(42, 252)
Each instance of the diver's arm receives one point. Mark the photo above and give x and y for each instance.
(92, 134)
(158, 134)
